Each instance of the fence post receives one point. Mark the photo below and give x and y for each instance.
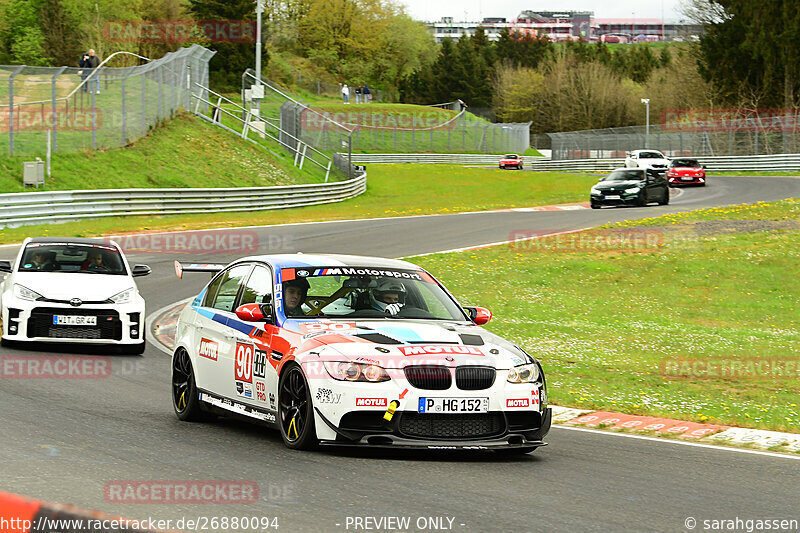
(11, 109)
(144, 104)
(94, 119)
(55, 111)
(160, 86)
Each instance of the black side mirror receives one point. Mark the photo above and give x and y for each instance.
(5, 266)
(140, 270)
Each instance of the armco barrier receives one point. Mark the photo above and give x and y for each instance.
(20, 515)
(18, 209)
(761, 163)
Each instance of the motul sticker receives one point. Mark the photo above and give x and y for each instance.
(517, 402)
(371, 402)
(436, 349)
(208, 349)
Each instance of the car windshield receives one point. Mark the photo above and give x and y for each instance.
(363, 292)
(625, 175)
(72, 257)
(511, 156)
(650, 155)
(689, 163)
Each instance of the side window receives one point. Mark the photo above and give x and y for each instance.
(230, 282)
(211, 293)
(258, 289)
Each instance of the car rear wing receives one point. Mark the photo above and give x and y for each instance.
(180, 268)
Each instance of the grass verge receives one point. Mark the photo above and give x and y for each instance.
(183, 152)
(641, 329)
(392, 190)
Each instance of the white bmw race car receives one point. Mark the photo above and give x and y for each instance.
(72, 291)
(353, 351)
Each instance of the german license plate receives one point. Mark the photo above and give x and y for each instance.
(686, 178)
(73, 320)
(453, 405)
(612, 197)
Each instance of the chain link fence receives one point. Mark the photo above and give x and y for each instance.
(76, 109)
(747, 137)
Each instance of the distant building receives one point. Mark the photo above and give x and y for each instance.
(571, 25)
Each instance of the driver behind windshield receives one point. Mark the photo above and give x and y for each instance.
(294, 295)
(389, 295)
(94, 261)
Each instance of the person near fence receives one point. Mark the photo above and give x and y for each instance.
(367, 94)
(92, 62)
(84, 72)
(358, 94)
(345, 94)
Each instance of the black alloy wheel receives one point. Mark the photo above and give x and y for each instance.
(295, 410)
(184, 391)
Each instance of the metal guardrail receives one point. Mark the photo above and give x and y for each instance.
(762, 163)
(19, 209)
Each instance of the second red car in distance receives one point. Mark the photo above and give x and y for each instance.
(511, 161)
(686, 171)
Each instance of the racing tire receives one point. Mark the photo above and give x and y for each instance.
(185, 399)
(295, 410)
(640, 201)
(665, 201)
(519, 167)
(502, 167)
(5, 343)
(594, 205)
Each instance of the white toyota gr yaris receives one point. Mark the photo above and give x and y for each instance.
(71, 290)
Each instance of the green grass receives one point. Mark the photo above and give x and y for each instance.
(183, 152)
(716, 285)
(392, 190)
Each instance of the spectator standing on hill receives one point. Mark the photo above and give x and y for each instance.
(84, 72)
(345, 94)
(367, 94)
(92, 62)
(358, 95)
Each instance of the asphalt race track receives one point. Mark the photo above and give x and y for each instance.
(64, 440)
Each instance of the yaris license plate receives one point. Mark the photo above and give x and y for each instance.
(72, 320)
(453, 405)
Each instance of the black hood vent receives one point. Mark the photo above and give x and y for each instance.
(471, 340)
(378, 338)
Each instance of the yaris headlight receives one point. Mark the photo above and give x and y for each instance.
(524, 373)
(24, 293)
(348, 371)
(123, 297)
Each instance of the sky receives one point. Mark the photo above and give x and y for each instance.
(475, 10)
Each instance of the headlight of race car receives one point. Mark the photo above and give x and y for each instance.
(632, 190)
(524, 373)
(342, 371)
(24, 293)
(122, 297)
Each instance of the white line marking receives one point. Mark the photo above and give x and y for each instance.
(475, 247)
(682, 443)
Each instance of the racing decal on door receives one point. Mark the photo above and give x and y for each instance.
(208, 349)
(243, 363)
(260, 364)
(432, 349)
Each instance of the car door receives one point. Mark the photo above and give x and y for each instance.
(252, 368)
(215, 342)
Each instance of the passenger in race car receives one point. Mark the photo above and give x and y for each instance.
(41, 261)
(294, 295)
(389, 295)
(94, 261)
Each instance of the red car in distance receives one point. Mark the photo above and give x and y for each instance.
(511, 161)
(683, 171)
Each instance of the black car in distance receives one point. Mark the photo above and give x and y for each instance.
(630, 186)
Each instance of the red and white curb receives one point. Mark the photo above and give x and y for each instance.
(708, 433)
(21, 515)
(565, 207)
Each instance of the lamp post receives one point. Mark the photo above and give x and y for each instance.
(646, 102)
(259, 95)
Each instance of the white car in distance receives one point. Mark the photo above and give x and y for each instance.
(652, 159)
(69, 290)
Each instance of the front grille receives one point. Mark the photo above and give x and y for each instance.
(459, 426)
(429, 377)
(109, 326)
(475, 377)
